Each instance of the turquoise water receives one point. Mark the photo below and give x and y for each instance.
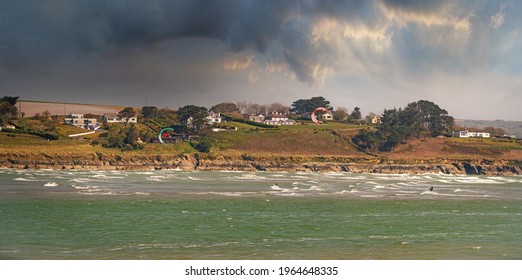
(48, 214)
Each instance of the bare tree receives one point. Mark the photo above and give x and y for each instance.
(278, 107)
(340, 113)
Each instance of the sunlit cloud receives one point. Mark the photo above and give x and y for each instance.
(389, 51)
(239, 63)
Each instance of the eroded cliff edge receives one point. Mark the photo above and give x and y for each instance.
(98, 161)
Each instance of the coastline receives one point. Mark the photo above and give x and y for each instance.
(199, 162)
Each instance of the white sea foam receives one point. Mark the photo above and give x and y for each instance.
(343, 192)
(25, 179)
(477, 180)
(81, 180)
(107, 177)
(155, 180)
(51, 184)
(250, 176)
(142, 193)
(429, 192)
(86, 187)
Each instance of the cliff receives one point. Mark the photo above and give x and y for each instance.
(195, 161)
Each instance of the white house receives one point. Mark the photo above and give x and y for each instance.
(278, 119)
(214, 118)
(79, 121)
(260, 118)
(375, 120)
(8, 126)
(328, 116)
(468, 134)
(113, 118)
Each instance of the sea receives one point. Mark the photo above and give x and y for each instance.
(211, 215)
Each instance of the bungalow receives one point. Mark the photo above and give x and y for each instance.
(254, 118)
(113, 118)
(7, 126)
(278, 119)
(375, 120)
(328, 116)
(468, 134)
(79, 121)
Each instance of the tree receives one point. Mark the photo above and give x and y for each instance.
(390, 132)
(494, 131)
(356, 113)
(46, 114)
(149, 112)
(417, 119)
(125, 138)
(126, 114)
(8, 109)
(306, 106)
(277, 107)
(132, 136)
(428, 118)
(340, 114)
(252, 108)
(225, 107)
(193, 118)
(367, 140)
(167, 117)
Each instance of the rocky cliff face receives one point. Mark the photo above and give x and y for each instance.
(290, 164)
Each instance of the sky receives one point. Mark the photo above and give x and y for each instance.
(466, 56)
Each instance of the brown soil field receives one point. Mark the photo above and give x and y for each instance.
(30, 108)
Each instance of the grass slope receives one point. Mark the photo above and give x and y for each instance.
(329, 140)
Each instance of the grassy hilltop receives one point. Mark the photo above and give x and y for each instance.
(43, 142)
(307, 140)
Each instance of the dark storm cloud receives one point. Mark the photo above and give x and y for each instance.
(99, 48)
(37, 32)
(419, 6)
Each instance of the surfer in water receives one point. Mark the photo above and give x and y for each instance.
(431, 188)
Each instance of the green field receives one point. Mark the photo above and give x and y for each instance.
(330, 140)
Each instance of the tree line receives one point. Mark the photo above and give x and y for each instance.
(418, 119)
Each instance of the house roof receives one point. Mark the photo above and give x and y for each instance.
(276, 116)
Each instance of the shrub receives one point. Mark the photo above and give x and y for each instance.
(47, 135)
(204, 145)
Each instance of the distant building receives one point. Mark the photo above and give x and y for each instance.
(278, 119)
(468, 134)
(214, 118)
(328, 116)
(8, 126)
(259, 118)
(113, 118)
(375, 120)
(512, 136)
(79, 121)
